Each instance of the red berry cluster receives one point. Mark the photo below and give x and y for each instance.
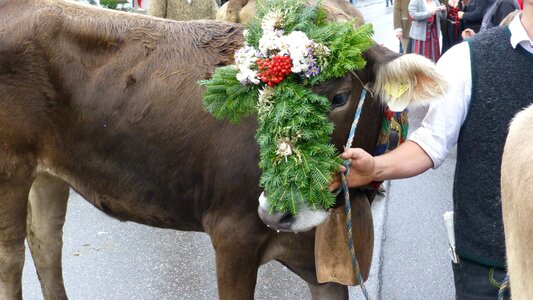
(272, 71)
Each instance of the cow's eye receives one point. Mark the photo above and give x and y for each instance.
(340, 99)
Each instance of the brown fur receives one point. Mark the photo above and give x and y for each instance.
(517, 190)
(107, 102)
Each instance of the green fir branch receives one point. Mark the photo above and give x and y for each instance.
(297, 115)
(233, 102)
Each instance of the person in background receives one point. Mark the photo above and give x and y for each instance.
(504, 8)
(402, 22)
(451, 33)
(387, 3)
(489, 81)
(183, 10)
(497, 11)
(425, 28)
(472, 15)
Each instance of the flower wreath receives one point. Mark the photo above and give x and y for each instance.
(289, 48)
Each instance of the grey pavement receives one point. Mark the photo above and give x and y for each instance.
(107, 259)
(413, 259)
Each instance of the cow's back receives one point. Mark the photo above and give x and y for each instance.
(111, 104)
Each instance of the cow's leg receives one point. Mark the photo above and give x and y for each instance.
(237, 250)
(324, 291)
(328, 291)
(46, 215)
(297, 253)
(13, 208)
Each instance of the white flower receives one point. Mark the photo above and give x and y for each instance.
(244, 60)
(247, 76)
(270, 41)
(284, 149)
(264, 105)
(245, 56)
(321, 48)
(298, 45)
(272, 21)
(266, 94)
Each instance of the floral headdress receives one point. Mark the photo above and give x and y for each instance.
(289, 48)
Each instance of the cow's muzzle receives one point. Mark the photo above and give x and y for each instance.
(305, 220)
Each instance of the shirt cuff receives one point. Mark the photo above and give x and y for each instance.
(423, 138)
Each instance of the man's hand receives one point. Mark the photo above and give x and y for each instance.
(453, 3)
(460, 14)
(467, 33)
(408, 160)
(361, 169)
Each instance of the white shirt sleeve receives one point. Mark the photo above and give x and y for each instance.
(440, 128)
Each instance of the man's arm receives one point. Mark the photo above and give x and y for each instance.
(428, 146)
(477, 13)
(408, 160)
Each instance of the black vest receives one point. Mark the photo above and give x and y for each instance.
(502, 85)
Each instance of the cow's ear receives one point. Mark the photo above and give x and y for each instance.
(408, 80)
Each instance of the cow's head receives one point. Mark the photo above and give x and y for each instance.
(390, 78)
(385, 73)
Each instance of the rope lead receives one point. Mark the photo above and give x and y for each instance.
(503, 287)
(348, 207)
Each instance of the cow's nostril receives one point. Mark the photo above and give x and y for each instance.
(286, 219)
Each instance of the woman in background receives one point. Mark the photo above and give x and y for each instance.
(425, 29)
(454, 27)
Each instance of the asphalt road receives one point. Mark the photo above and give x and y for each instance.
(413, 261)
(107, 259)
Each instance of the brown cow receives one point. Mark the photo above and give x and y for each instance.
(517, 206)
(107, 103)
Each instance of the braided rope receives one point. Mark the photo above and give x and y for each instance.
(348, 207)
(503, 287)
(356, 119)
(383, 142)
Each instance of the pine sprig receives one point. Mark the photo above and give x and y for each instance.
(293, 117)
(301, 116)
(226, 98)
(346, 45)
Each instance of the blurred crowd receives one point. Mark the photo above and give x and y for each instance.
(420, 25)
